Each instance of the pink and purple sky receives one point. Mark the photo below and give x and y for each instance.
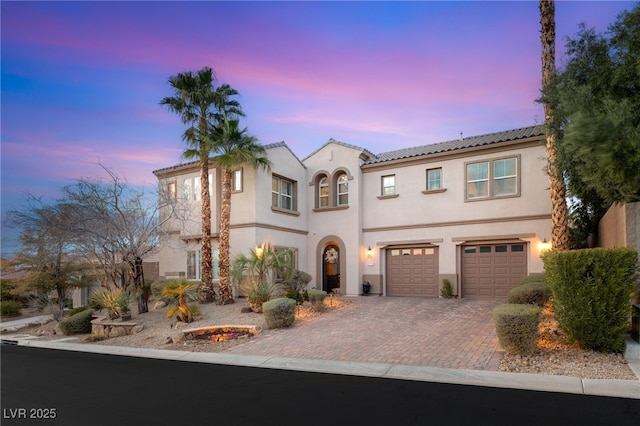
(82, 81)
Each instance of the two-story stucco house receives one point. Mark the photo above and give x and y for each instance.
(473, 211)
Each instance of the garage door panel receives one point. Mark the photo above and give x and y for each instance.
(492, 271)
(416, 273)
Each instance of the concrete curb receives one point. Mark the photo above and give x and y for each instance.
(522, 381)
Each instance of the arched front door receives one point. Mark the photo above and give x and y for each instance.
(330, 268)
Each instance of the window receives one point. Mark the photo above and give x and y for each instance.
(282, 193)
(323, 193)
(495, 178)
(194, 264)
(388, 185)
(505, 177)
(192, 189)
(197, 189)
(236, 182)
(343, 190)
(477, 180)
(188, 189)
(434, 179)
(172, 190)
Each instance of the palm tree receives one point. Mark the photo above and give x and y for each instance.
(201, 106)
(559, 210)
(233, 147)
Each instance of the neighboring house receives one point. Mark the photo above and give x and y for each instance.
(473, 211)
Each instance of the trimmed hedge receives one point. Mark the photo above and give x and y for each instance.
(530, 293)
(279, 313)
(79, 323)
(517, 327)
(591, 292)
(532, 278)
(316, 297)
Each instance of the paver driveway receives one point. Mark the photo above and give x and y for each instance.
(447, 333)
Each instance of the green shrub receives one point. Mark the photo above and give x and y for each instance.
(532, 278)
(447, 290)
(517, 327)
(77, 310)
(279, 313)
(591, 292)
(316, 297)
(79, 323)
(10, 308)
(530, 293)
(295, 295)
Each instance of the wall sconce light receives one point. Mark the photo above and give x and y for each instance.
(369, 256)
(544, 245)
(259, 251)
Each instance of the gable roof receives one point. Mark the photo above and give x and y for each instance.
(284, 145)
(469, 142)
(346, 145)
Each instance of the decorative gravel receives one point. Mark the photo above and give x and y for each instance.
(555, 356)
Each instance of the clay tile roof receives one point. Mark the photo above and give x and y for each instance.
(468, 142)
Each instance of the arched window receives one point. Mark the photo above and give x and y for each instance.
(323, 192)
(343, 190)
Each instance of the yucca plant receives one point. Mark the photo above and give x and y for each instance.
(179, 291)
(116, 302)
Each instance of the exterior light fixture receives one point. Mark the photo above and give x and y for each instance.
(259, 252)
(544, 245)
(369, 256)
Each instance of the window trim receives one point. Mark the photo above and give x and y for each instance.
(491, 179)
(234, 180)
(382, 187)
(294, 197)
(323, 182)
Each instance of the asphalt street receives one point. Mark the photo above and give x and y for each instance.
(73, 388)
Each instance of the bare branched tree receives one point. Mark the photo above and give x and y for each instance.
(117, 225)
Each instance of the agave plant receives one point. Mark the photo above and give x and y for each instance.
(179, 291)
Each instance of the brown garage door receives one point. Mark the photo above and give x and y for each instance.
(492, 270)
(412, 271)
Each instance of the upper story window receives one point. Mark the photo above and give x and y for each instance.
(323, 192)
(172, 189)
(192, 189)
(343, 190)
(493, 178)
(282, 193)
(434, 179)
(388, 185)
(236, 180)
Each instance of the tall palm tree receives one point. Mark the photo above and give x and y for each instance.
(232, 147)
(559, 210)
(201, 106)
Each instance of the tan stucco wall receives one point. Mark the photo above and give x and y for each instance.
(612, 227)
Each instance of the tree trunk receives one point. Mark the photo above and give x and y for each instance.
(143, 296)
(559, 210)
(226, 295)
(207, 293)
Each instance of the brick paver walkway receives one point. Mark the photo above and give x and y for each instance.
(453, 333)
